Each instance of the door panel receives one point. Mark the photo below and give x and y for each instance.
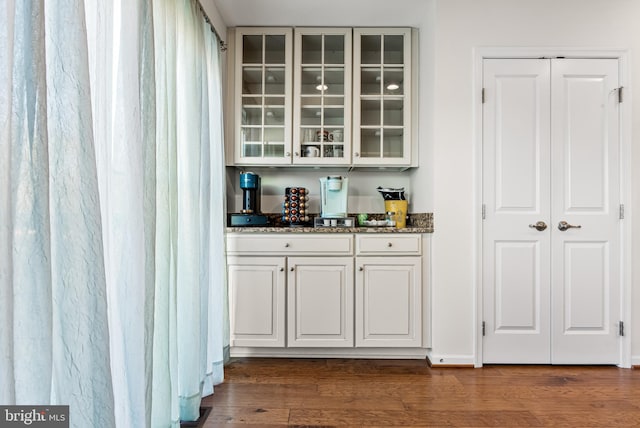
(517, 293)
(517, 164)
(516, 138)
(585, 172)
(551, 154)
(586, 290)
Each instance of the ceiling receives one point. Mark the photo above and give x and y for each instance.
(348, 13)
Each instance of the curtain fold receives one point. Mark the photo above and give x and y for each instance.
(81, 373)
(25, 268)
(218, 319)
(164, 404)
(112, 267)
(123, 103)
(7, 44)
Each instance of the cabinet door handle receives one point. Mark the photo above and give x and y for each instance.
(281, 269)
(291, 269)
(389, 244)
(287, 154)
(297, 154)
(360, 268)
(286, 245)
(356, 154)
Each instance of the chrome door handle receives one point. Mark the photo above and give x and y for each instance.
(539, 226)
(563, 225)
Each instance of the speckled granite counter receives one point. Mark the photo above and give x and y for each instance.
(416, 223)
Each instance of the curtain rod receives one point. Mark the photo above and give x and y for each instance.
(223, 45)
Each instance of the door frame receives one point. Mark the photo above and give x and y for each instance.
(622, 55)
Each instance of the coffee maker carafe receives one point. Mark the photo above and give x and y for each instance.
(250, 213)
(333, 196)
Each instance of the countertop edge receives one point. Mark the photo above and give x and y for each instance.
(276, 230)
(416, 223)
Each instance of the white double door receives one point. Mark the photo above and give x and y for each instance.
(551, 195)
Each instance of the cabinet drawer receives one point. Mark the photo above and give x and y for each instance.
(289, 244)
(398, 244)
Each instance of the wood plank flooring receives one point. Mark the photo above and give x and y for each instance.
(263, 392)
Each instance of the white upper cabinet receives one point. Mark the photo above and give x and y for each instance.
(382, 97)
(322, 96)
(263, 96)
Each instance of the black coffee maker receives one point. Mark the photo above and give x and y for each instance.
(250, 214)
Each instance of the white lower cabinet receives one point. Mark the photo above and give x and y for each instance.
(388, 301)
(326, 295)
(256, 301)
(320, 298)
(389, 290)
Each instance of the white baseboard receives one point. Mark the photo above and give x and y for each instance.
(635, 361)
(373, 353)
(443, 360)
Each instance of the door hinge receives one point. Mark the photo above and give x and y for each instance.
(621, 211)
(484, 211)
(483, 328)
(621, 328)
(482, 96)
(620, 99)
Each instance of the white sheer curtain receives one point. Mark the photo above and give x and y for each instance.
(112, 285)
(190, 221)
(54, 336)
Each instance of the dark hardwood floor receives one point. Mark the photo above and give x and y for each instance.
(408, 393)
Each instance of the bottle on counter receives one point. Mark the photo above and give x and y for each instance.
(390, 217)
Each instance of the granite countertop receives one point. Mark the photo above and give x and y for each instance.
(416, 223)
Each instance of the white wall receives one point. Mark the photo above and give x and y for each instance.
(461, 26)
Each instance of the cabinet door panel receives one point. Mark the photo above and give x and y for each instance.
(388, 302)
(322, 96)
(257, 301)
(263, 96)
(320, 299)
(382, 88)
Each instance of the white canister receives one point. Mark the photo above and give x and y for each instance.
(337, 135)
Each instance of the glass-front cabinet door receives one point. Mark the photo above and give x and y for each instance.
(263, 95)
(322, 96)
(382, 96)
